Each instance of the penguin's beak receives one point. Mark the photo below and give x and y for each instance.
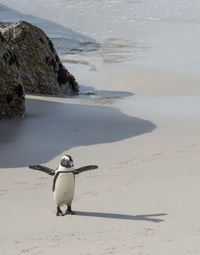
(71, 163)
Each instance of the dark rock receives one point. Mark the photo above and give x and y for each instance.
(12, 100)
(9, 98)
(2, 38)
(33, 52)
(62, 77)
(19, 90)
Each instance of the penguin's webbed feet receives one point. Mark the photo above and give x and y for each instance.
(69, 210)
(59, 212)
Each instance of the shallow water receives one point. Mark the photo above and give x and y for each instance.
(159, 34)
(165, 107)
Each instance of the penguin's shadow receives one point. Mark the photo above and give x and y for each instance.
(145, 217)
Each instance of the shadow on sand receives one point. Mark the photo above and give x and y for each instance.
(49, 128)
(147, 217)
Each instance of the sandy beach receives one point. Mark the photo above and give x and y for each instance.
(143, 199)
(141, 127)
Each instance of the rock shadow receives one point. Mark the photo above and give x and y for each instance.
(49, 128)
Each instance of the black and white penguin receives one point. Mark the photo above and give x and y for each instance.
(64, 182)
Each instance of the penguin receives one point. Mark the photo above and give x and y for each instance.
(63, 182)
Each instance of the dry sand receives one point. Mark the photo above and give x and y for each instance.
(143, 199)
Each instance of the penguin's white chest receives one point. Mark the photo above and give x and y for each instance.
(64, 189)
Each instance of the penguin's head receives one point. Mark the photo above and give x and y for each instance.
(67, 161)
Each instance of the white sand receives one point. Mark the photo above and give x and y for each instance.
(143, 199)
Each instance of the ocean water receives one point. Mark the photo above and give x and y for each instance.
(89, 33)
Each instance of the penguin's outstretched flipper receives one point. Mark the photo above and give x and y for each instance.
(43, 169)
(84, 168)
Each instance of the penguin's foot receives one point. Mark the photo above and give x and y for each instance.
(59, 212)
(69, 211)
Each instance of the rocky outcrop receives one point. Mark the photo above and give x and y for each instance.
(41, 69)
(12, 100)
